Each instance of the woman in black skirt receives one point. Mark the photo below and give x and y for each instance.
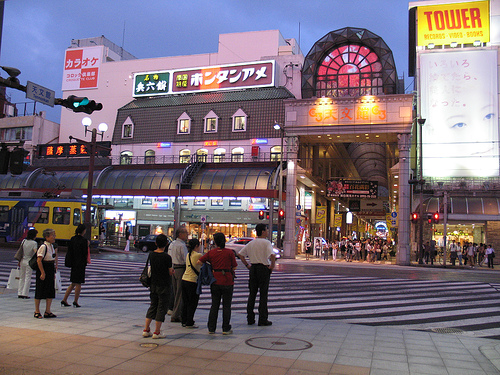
(45, 274)
(76, 258)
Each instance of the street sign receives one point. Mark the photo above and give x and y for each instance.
(298, 221)
(299, 207)
(203, 219)
(394, 214)
(393, 222)
(40, 94)
(372, 205)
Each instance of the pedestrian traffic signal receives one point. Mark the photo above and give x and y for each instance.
(435, 218)
(429, 218)
(81, 104)
(261, 215)
(414, 217)
(281, 214)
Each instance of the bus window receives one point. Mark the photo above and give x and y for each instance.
(77, 217)
(61, 215)
(4, 213)
(38, 215)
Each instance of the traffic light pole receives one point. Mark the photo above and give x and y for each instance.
(421, 123)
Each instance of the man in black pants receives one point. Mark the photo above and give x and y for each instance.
(262, 260)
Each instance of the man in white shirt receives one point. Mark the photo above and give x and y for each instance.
(178, 251)
(262, 261)
(453, 252)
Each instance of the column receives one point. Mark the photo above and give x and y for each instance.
(290, 242)
(404, 246)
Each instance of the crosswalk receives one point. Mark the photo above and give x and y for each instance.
(469, 307)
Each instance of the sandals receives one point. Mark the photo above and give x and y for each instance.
(38, 316)
(49, 315)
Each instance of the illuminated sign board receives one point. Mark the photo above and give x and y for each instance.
(353, 113)
(259, 141)
(210, 143)
(150, 84)
(211, 78)
(458, 22)
(65, 150)
(164, 145)
(225, 77)
(81, 68)
(459, 101)
(352, 188)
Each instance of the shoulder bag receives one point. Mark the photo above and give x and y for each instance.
(145, 277)
(191, 265)
(33, 261)
(20, 252)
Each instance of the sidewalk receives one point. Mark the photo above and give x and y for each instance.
(104, 337)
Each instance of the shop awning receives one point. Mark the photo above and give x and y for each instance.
(465, 208)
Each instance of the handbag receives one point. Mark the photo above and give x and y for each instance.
(13, 282)
(145, 277)
(20, 252)
(33, 261)
(57, 282)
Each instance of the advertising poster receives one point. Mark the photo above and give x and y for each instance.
(81, 68)
(459, 104)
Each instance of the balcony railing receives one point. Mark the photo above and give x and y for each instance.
(185, 159)
(463, 183)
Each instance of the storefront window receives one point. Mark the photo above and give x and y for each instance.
(237, 154)
(184, 156)
(149, 157)
(126, 158)
(219, 155)
(276, 153)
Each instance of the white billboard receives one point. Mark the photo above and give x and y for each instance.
(81, 68)
(460, 104)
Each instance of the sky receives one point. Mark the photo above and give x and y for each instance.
(37, 33)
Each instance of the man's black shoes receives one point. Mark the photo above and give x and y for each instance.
(251, 322)
(266, 323)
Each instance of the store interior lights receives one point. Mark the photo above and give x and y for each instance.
(453, 44)
(477, 43)
(431, 46)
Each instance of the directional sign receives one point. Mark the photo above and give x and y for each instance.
(393, 222)
(40, 94)
(372, 205)
(394, 215)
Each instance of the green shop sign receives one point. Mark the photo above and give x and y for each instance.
(148, 84)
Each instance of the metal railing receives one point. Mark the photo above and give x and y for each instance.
(176, 159)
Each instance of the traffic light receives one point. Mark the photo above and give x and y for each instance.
(81, 104)
(261, 215)
(435, 217)
(16, 162)
(414, 217)
(429, 218)
(4, 160)
(281, 214)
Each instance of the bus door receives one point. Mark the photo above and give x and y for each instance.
(16, 224)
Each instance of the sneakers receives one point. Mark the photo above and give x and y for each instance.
(159, 335)
(227, 332)
(146, 333)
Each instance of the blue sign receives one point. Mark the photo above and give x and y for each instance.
(40, 94)
(299, 207)
(394, 214)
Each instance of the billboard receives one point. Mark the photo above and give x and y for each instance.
(351, 188)
(81, 68)
(458, 22)
(459, 102)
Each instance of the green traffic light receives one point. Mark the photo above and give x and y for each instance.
(84, 101)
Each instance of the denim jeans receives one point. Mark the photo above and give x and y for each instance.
(224, 292)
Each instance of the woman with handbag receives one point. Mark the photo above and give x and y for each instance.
(189, 284)
(159, 290)
(45, 274)
(77, 259)
(27, 249)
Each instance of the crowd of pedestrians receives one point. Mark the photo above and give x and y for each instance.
(471, 254)
(368, 250)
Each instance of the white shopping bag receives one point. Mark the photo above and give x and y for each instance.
(58, 284)
(13, 282)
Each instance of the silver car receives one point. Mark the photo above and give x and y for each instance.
(236, 244)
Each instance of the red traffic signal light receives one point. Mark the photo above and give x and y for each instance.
(414, 217)
(261, 215)
(435, 217)
(281, 213)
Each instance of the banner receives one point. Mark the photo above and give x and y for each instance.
(81, 68)
(321, 215)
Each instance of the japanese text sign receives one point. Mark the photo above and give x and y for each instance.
(66, 150)
(352, 188)
(40, 94)
(81, 68)
(457, 22)
(150, 84)
(338, 114)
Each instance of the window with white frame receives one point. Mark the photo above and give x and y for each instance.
(219, 155)
(239, 121)
(201, 155)
(184, 156)
(237, 154)
(276, 153)
(211, 122)
(184, 124)
(149, 157)
(128, 128)
(126, 157)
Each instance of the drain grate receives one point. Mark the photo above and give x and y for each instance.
(278, 343)
(455, 331)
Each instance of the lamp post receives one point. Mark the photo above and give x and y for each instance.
(92, 145)
(280, 197)
(421, 122)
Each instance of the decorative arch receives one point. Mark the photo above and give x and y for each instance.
(349, 62)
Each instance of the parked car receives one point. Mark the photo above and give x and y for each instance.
(236, 244)
(147, 243)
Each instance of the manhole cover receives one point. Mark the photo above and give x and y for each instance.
(278, 343)
(148, 345)
(455, 331)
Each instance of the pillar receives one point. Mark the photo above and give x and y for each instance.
(290, 242)
(404, 247)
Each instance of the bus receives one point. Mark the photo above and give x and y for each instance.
(18, 215)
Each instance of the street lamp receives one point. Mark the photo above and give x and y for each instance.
(103, 127)
(280, 197)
